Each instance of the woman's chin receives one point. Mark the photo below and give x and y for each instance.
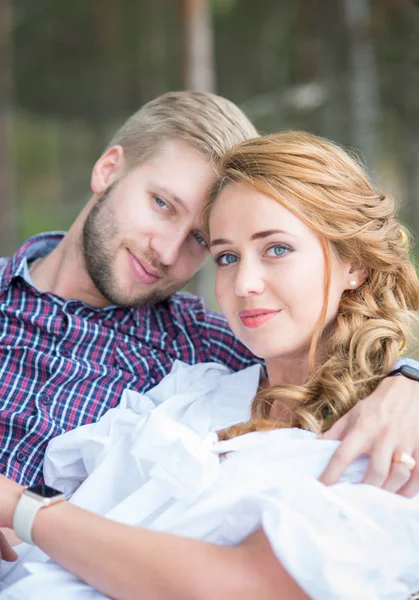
(263, 353)
(284, 353)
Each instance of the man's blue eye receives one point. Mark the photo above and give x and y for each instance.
(160, 203)
(200, 239)
(277, 250)
(226, 259)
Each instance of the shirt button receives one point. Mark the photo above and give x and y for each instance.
(20, 456)
(45, 399)
(65, 351)
(69, 307)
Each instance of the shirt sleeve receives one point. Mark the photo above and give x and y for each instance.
(411, 362)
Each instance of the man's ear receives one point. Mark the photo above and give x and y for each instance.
(106, 169)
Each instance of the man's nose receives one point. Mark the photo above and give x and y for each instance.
(249, 279)
(167, 247)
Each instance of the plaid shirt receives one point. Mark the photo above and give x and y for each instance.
(64, 363)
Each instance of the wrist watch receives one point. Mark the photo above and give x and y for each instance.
(32, 500)
(407, 371)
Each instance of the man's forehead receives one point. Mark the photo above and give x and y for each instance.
(182, 151)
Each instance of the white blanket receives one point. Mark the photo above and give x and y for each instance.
(155, 462)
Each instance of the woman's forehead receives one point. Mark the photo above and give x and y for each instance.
(241, 207)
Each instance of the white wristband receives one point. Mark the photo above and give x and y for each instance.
(24, 517)
(32, 500)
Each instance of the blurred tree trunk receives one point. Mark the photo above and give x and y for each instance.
(409, 110)
(8, 233)
(363, 80)
(306, 47)
(198, 49)
(153, 49)
(107, 73)
(332, 68)
(199, 74)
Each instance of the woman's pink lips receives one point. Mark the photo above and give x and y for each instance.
(256, 317)
(140, 271)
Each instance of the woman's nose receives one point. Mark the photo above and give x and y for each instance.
(249, 280)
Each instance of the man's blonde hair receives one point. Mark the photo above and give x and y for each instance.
(208, 122)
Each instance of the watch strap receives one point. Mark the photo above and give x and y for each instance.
(407, 371)
(24, 517)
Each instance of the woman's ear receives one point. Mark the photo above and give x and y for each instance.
(107, 169)
(356, 276)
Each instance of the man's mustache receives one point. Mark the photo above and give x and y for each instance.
(150, 258)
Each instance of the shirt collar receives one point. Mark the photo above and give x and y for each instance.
(35, 247)
(42, 244)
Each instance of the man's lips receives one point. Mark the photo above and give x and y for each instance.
(143, 270)
(257, 316)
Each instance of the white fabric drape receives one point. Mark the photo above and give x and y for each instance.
(155, 462)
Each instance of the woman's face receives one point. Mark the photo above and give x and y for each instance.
(270, 273)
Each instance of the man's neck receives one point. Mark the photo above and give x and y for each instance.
(63, 271)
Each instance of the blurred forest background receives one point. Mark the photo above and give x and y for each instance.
(71, 71)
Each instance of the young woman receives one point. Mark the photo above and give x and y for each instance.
(313, 273)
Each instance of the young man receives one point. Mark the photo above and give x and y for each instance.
(87, 314)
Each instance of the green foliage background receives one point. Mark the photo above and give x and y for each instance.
(80, 67)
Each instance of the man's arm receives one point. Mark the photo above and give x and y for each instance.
(3, 264)
(385, 423)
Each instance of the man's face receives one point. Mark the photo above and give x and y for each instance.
(142, 240)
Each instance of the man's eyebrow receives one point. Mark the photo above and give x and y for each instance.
(256, 236)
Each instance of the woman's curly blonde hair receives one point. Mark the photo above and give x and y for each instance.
(329, 191)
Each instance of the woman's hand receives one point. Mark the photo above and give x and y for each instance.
(6, 550)
(381, 426)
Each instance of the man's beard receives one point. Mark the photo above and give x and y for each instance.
(98, 235)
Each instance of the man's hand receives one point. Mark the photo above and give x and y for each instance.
(384, 424)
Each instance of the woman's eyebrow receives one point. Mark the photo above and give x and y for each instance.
(256, 236)
(220, 242)
(262, 234)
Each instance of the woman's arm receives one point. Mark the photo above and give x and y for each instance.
(126, 562)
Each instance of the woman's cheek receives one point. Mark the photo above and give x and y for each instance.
(223, 298)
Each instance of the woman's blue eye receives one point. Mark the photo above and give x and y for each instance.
(200, 239)
(160, 203)
(226, 259)
(277, 250)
